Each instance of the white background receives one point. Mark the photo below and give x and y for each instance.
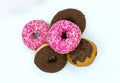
(103, 27)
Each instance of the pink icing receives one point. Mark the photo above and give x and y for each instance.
(56, 41)
(35, 26)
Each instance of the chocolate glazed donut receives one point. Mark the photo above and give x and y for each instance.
(84, 54)
(72, 15)
(49, 61)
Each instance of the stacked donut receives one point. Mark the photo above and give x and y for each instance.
(59, 42)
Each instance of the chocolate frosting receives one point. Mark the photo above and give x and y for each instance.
(49, 61)
(72, 15)
(83, 51)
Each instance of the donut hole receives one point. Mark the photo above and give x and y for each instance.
(69, 19)
(64, 35)
(52, 59)
(35, 35)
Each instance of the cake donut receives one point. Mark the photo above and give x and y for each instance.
(34, 34)
(48, 60)
(64, 36)
(84, 54)
(72, 15)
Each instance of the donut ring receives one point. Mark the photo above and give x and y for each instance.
(64, 36)
(34, 34)
(72, 15)
(84, 54)
(48, 60)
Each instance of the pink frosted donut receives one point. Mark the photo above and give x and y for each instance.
(64, 36)
(34, 34)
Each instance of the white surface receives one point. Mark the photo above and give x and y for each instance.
(103, 27)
